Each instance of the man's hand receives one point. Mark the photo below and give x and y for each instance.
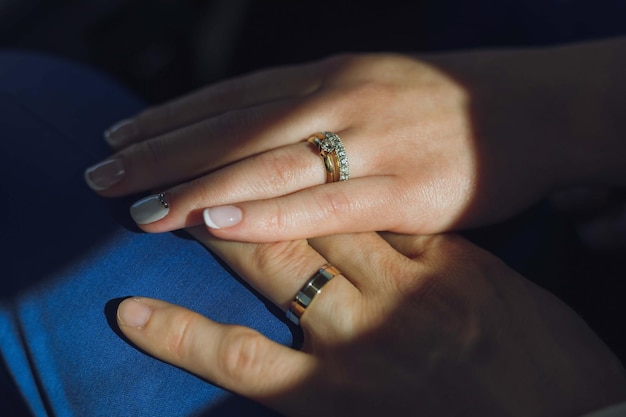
(428, 326)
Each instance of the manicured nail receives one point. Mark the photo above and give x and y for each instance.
(133, 313)
(221, 217)
(121, 132)
(150, 209)
(105, 174)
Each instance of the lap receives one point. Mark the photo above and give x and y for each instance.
(69, 255)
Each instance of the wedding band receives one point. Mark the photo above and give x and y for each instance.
(310, 290)
(334, 155)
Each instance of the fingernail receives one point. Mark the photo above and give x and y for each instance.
(150, 209)
(221, 217)
(121, 132)
(105, 174)
(133, 313)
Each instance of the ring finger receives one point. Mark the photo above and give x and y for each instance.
(281, 272)
(275, 173)
(196, 149)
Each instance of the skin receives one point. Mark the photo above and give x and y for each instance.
(415, 325)
(469, 139)
(420, 325)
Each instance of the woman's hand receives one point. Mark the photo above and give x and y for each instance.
(420, 160)
(425, 326)
(434, 144)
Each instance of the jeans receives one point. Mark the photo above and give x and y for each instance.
(69, 256)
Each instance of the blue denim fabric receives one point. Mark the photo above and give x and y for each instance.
(68, 255)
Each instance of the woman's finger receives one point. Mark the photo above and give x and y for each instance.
(236, 358)
(202, 147)
(281, 270)
(234, 94)
(358, 205)
(275, 173)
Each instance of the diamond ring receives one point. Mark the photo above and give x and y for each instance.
(333, 154)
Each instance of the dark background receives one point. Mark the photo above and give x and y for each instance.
(161, 49)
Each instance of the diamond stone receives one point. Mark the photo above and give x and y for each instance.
(328, 145)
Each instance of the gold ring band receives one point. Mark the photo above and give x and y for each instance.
(333, 154)
(332, 167)
(309, 291)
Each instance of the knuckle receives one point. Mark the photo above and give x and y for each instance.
(279, 220)
(179, 342)
(286, 258)
(326, 206)
(398, 273)
(334, 204)
(279, 168)
(240, 355)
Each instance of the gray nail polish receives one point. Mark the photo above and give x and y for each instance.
(105, 174)
(150, 209)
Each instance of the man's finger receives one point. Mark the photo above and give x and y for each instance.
(365, 259)
(277, 270)
(236, 358)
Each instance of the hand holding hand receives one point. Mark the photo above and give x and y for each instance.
(412, 326)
